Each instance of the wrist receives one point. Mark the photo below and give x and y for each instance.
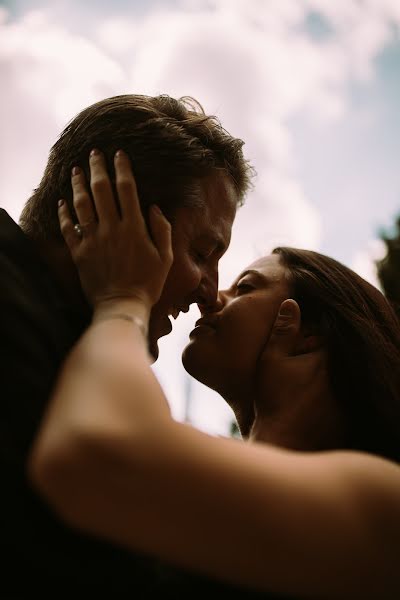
(136, 308)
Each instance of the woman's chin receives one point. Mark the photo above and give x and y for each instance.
(189, 360)
(196, 364)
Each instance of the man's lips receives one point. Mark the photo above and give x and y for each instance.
(163, 321)
(168, 325)
(163, 327)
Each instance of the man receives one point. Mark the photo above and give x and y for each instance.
(195, 171)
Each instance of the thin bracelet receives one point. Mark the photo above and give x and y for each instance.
(128, 317)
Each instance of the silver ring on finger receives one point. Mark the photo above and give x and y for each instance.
(81, 227)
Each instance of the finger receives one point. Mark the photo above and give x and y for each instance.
(160, 229)
(127, 190)
(67, 226)
(100, 184)
(82, 201)
(286, 329)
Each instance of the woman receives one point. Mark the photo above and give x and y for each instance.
(307, 355)
(335, 311)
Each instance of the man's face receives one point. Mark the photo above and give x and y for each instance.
(200, 236)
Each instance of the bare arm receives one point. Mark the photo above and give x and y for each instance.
(110, 460)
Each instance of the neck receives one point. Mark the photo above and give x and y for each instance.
(302, 426)
(238, 400)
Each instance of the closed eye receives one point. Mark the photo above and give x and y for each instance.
(203, 256)
(242, 288)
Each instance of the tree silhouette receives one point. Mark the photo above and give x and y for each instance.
(234, 431)
(389, 268)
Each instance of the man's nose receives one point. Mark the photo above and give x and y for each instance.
(214, 307)
(207, 292)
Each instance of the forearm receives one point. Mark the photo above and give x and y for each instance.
(106, 391)
(108, 377)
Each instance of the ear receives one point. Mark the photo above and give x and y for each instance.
(308, 342)
(286, 329)
(292, 337)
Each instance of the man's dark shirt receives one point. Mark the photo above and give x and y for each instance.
(37, 329)
(42, 557)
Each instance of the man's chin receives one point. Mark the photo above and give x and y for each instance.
(159, 327)
(153, 349)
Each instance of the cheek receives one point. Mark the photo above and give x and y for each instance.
(188, 273)
(263, 316)
(184, 275)
(246, 333)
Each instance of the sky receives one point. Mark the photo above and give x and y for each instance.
(311, 86)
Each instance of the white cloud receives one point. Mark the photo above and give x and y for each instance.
(254, 64)
(118, 35)
(48, 75)
(361, 29)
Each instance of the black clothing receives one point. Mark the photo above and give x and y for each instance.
(37, 329)
(42, 557)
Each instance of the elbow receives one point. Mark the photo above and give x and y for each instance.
(80, 471)
(60, 470)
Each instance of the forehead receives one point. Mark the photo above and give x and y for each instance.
(212, 220)
(270, 266)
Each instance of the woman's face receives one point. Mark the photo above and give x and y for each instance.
(228, 340)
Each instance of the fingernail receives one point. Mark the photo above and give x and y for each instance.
(94, 152)
(285, 311)
(76, 170)
(119, 154)
(155, 208)
(61, 202)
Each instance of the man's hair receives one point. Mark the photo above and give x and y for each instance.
(362, 336)
(172, 145)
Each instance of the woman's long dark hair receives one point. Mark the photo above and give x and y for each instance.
(362, 335)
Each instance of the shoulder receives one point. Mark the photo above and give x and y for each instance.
(368, 475)
(372, 482)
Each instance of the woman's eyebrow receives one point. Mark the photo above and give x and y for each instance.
(253, 272)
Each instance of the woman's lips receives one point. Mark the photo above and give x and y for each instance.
(200, 329)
